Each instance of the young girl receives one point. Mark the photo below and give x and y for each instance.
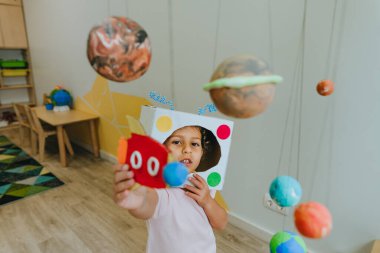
(179, 219)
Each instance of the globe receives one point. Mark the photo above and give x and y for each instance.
(285, 191)
(313, 220)
(61, 98)
(119, 49)
(287, 242)
(242, 86)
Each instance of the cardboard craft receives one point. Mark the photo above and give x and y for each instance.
(161, 123)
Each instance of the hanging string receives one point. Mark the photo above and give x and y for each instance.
(330, 148)
(327, 109)
(216, 34)
(290, 103)
(296, 104)
(335, 74)
(295, 107)
(319, 148)
(339, 40)
(329, 59)
(126, 8)
(271, 43)
(298, 80)
(171, 50)
(113, 121)
(292, 98)
(329, 114)
(108, 8)
(301, 88)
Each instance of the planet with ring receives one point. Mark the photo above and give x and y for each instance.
(242, 86)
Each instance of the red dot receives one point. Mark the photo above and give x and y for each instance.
(223, 132)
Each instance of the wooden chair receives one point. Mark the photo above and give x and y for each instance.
(45, 99)
(25, 123)
(43, 131)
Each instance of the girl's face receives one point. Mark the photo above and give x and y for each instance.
(186, 146)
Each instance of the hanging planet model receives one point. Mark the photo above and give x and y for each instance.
(313, 220)
(325, 87)
(242, 86)
(287, 242)
(286, 191)
(119, 49)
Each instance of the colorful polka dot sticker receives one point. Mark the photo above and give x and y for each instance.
(214, 179)
(164, 123)
(223, 132)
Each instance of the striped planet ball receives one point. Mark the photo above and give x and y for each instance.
(313, 220)
(287, 242)
(242, 86)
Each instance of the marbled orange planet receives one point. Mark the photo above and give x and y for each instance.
(313, 220)
(119, 49)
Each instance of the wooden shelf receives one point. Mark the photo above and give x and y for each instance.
(13, 48)
(8, 106)
(9, 127)
(11, 2)
(17, 86)
(13, 69)
(27, 71)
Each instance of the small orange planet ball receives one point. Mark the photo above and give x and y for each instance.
(325, 87)
(313, 220)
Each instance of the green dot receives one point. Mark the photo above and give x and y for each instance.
(214, 179)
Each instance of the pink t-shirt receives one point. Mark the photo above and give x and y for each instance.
(179, 225)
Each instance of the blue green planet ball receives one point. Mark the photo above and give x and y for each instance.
(285, 191)
(287, 242)
(61, 97)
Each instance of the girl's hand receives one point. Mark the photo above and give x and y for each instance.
(124, 196)
(200, 191)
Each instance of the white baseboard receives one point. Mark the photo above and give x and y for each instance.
(103, 154)
(250, 227)
(254, 229)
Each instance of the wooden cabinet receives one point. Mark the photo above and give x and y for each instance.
(11, 2)
(12, 27)
(16, 85)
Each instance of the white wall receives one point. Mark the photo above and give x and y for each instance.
(272, 30)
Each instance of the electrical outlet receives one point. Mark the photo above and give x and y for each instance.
(272, 205)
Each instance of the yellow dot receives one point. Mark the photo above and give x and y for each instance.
(164, 123)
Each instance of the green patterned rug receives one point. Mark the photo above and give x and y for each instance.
(21, 175)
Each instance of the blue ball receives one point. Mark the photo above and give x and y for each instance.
(175, 174)
(287, 242)
(61, 97)
(285, 191)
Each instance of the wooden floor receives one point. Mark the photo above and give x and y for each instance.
(81, 217)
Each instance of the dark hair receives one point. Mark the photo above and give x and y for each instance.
(211, 149)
